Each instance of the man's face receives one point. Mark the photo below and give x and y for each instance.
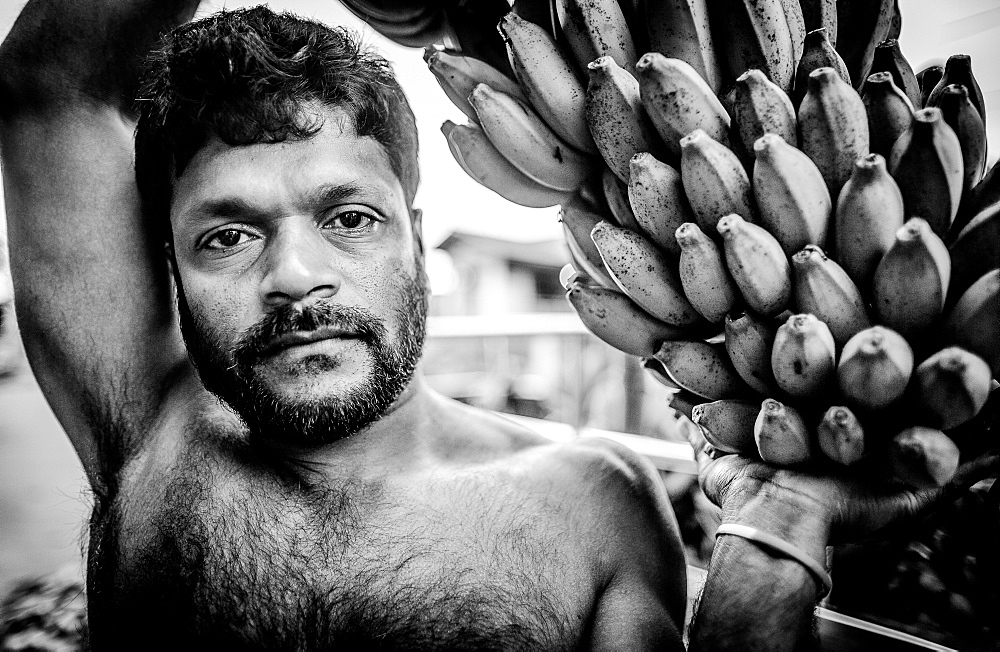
(301, 286)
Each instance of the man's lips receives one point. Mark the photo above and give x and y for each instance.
(300, 338)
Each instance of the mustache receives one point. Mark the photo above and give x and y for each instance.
(286, 319)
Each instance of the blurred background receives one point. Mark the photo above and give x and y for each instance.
(502, 335)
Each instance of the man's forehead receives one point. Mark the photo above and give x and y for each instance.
(333, 155)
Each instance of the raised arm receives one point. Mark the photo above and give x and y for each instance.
(92, 288)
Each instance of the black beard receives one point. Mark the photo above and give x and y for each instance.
(228, 370)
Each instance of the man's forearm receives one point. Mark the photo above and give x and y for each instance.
(62, 51)
(754, 598)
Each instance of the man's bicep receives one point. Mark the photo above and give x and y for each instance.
(92, 288)
(643, 604)
(633, 616)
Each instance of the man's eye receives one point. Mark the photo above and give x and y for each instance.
(226, 239)
(351, 220)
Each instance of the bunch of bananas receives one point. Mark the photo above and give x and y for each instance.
(769, 206)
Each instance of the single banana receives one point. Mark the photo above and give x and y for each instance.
(889, 58)
(578, 221)
(926, 163)
(615, 319)
(549, 81)
(974, 322)
(922, 457)
(714, 180)
(861, 26)
(912, 279)
(803, 358)
(644, 274)
(594, 29)
(823, 288)
(680, 29)
(953, 386)
(875, 367)
(791, 195)
(616, 197)
(728, 424)
(781, 434)
(821, 13)
(869, 211)
(758, 36)
(958, 70)
(841, 435)
(819, 52)
(486, 165)
(890, 112)
(701, 368)
(749, 340)
(678, 101)
(657, 198)
(760, 107)
(526, 141)
(458, 75)
(960, 114)
(974, 251)
(983, 197)
(928, 78)
(833, 127)
(704, 277)
(617, 121)
(757, 264)
(796, 22)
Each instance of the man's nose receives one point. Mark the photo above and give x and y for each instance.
(301, 266)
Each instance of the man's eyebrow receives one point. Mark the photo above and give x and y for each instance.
(239, 207)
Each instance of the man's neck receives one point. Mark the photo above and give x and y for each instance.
(396, 443)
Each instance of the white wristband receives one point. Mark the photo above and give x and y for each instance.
(781, 546)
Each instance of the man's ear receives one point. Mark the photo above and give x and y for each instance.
(417, 220)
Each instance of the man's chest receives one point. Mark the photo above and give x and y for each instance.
(452, 564)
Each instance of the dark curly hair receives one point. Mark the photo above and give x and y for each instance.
(246, 76)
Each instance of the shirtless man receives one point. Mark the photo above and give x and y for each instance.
(228, 333)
